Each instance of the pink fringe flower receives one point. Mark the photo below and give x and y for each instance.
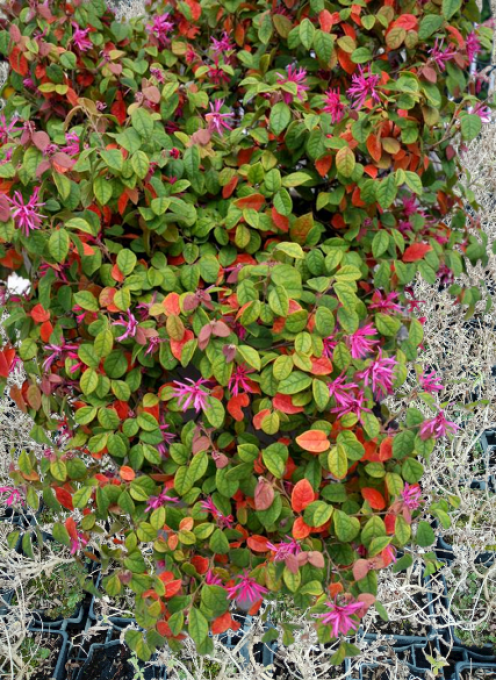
(360, 342)
(334, 106)
(246, 592)
(24, 214)
(363, 87)
(296, 76)
(217, 121)
(437, 427)
(339, 617)
(192, 394)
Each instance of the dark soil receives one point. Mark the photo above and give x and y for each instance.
(46, 667)
(108, 663)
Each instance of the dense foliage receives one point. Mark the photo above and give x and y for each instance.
(221, 209)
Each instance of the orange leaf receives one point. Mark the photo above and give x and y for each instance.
(374, 147)
(323, 165)
(314, 441)
(64, 498)
(222, 623)
(200, 563)
(300, 529)
(321, 366)
(172, 588)
(230, 186)
(177, 345)
(253, 201)
(257, 420)
(374, 498)
(416, 252)
(386, 449)
(127, 473)
(7, 357)
(46, 331)
(280, 221)
(407, 21)
(284, 403)
(39, 314)
(302, 495)
(257, 543)
(235, 406)
(171, 304)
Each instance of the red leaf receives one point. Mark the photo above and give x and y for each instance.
(323, 165)
(264, 494)
(374, 147)
(39, 314)
(284, 403)
(314, 441)
(127, 473)
(327, 20)
(224, 622)
(172, 588)
(257, 543)
(321, 366)
(316, 559)
(201, 564)
(70, 525)
(177, 345)
(228, 189)
(302, 495)
(280, 221)
(253, 201)
(374, 498)
(257, 420)
(300, 529)
(7, 357)
(46, 331)
(118, 109)
(18, 62)
(406, 21)
(235, 406)
(416, 252)
(386, 450)
(64, 498)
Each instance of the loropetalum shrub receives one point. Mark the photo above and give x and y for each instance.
(221, 209)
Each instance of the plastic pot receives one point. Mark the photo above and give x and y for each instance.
(263, 652)
(448, 634)
(109, 661)
(488, 668)
(39, 618)
(18, 517)
(59, 670)
(402, 640)
(116, 621)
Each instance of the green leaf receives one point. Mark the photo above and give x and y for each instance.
(82, 496)
(250, 356)
(215, 412)
(337, 462)
(471, 126)
(142, 122)
(126, 261)
(58, 245)
(279, 118)
(140, 164)
(347, 528)
(425, 535)
(403, 444)
(279, 301)
(429, 25)
(275, 458)
(323, 44)
(114, 159)
(307, 33)
(317, 513)
(386, 191)
(412, 470)
(345, 161)
(294, 383)
(451, 7)
(86, 300)
(380, 243)
(102, 189)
